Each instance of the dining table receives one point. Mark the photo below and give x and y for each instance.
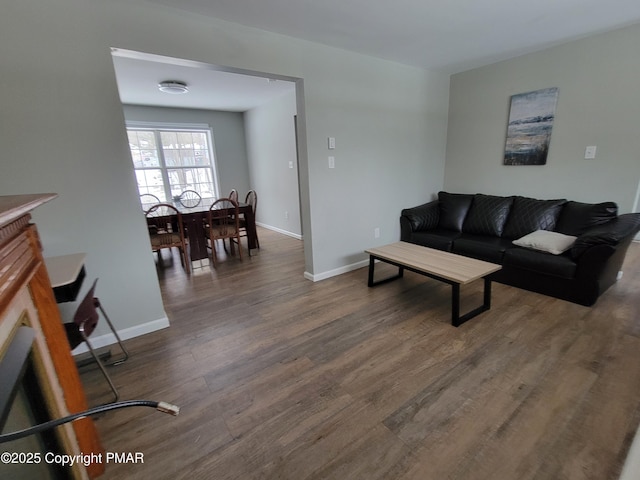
(194, 219)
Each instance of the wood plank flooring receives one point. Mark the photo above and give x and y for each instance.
(278, 377)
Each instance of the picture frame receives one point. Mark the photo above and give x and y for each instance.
(531, 118)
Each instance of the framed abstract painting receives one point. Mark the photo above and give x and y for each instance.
(531, 117)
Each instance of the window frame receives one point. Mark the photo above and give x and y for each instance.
(157, 128)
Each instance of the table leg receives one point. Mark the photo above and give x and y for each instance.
(372, 283)
(456, 319)
(250, 220)
(197, 240)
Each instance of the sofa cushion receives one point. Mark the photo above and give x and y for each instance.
(576, 217)
(453, 210)
(546, 241)
(438, 239)
(529, 214)
(489, 249)
(561, 266)
(487, 215)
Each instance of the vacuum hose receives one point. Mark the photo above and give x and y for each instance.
(161, 406)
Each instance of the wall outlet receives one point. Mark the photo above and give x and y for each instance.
(332, 162)
(376, 232)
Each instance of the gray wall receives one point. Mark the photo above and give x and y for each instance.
(228, 138)
(598, 104)
(63, 130)
(271, 147)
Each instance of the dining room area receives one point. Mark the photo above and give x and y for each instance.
(226, 133)
(190, 151)
(201, 229)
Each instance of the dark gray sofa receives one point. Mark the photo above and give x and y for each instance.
(485, 226)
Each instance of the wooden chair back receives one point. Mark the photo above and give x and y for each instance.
(166, 230)
(223, 222)
(190, 199)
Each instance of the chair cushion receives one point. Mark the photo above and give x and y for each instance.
(576, 217)
(222, 231)
(453, 210)
(528, 215)
(160, 239)
(487, 215)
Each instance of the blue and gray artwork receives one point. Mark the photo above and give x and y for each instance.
(530, 122)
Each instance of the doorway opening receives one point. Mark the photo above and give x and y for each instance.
(256, 145)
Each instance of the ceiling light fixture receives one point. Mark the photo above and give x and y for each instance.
(173, 86)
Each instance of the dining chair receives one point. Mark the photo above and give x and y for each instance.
(190, 199)
(84, 323)
(223, 222)
(166, 230)
(233, 195)
(250, 199)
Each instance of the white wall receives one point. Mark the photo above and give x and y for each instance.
(63, 130)
(598, 104)
(228, 138)
(271, 147)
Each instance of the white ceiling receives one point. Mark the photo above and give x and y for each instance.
(210, 88)
(448, 35)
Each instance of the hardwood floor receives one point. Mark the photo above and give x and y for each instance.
(278, 377)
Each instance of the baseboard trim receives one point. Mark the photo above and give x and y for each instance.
(335, 272)
(279, 230)
(131, 332)
(631, 467)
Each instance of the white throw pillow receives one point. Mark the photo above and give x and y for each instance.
(546, 241)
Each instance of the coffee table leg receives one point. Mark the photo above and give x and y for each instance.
(487, 293)
(456, 319)
(371, 268)
(455, 304)
(372, 262)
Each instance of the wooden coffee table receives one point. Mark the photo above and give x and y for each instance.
(447, 267)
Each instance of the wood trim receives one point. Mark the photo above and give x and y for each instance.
(66, 370)
(23, 275)
(16, 206)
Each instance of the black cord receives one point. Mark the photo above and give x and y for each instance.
(161, 406)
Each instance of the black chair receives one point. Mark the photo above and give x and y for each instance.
(84, 323)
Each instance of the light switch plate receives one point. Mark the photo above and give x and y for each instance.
(332, 162)
(332, 143)
(590, 152)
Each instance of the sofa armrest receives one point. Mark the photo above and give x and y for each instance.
(420, 218)
(612, 233)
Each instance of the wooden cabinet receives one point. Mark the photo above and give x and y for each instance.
(26, 298)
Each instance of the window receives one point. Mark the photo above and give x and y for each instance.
(170, 161)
